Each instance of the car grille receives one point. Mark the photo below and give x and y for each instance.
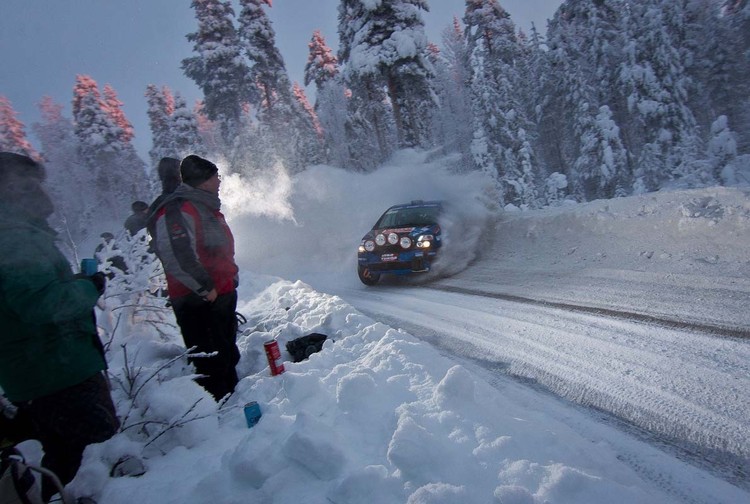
(416, 264)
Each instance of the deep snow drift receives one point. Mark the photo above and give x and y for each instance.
(378, 416)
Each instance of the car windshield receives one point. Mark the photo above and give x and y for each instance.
(414, 216)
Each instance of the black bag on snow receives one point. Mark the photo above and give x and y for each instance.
(303, 347)
(17, 484)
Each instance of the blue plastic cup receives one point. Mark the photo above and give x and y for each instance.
(252, 413)
(89, 266)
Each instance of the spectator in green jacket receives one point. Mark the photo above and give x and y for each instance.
(51, 360)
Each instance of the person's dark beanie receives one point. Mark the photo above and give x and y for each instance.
(195, 170)
(19, 165)
(169, 173)
(139, 206)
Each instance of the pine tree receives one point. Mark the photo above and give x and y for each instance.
(66, 174)
(218, 67)
(721, 64)
(160, 109)
(113, 106)
(268, 72)
(383, 43)
(278, 112)
(322, 68)
(369, 127)
(502, 130)
(452, 119)
(656, 86)
(209, 131)
(118, 173)
(332, 104)
(322, 65)
(13, 131)
(602, 157)
(722, 151)
(583, 38)
(186, 138)
(96, 132)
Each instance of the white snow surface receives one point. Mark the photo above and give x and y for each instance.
(453, 387)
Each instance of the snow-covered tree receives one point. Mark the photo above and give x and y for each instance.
(452, 119)
(720, 64)
(722, 151)
(299, 95)
(280, 115)
(218, 67)
(184, 130)
(502, 132)
(209, 130)
(12, 131)
(583, 39)
(663, 131)
(322, 65)
(113, 106)
(322, 68)
(600, 165)
(160, 110)
(332, 104)
(383, 44)
(118, 174)
(96, 132)
(66, 175)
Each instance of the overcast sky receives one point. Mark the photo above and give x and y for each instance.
(132, 43)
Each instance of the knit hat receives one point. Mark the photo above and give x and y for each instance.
(139, 206)
(21, 166)
(169, 173)
(195, 170)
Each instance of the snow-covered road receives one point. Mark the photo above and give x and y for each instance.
(638, 311)
(684, 387)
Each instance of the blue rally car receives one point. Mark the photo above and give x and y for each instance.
(406, 239)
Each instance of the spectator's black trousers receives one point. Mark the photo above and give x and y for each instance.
(67, 421)
(211, 327)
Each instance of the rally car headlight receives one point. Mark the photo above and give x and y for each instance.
(424, 241)
(405, 242)
(380, 239)
(369, 245)
(392, 238)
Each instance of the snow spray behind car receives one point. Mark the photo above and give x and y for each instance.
(273, 355)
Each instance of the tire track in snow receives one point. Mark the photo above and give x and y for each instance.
(715, 329)
(684, 386)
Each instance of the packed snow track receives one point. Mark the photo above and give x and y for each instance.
(684, 387)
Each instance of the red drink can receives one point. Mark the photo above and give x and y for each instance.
(273, 355)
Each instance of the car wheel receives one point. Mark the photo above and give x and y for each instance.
(367, 277)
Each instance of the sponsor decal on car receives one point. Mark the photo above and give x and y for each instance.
(389, 257)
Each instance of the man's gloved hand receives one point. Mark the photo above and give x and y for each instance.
(99, 280)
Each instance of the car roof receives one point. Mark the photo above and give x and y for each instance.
(417, 204)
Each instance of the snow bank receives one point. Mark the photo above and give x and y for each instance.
(375, 417)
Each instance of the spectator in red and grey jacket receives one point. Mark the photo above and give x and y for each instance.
(196, 248)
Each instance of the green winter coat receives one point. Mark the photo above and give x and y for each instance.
(46, 321)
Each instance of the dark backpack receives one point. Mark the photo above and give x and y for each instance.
(302, 348)
(17, 483)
